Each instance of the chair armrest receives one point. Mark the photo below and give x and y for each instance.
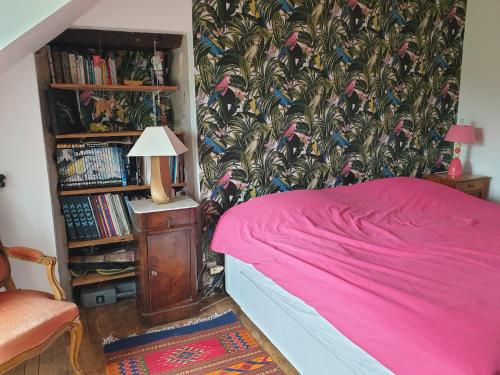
(35, 256)
(25, 253)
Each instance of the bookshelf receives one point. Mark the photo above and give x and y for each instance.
(95, 278)
(106, 86)
(116, 189)
(130, 133)
(101, 241)
(94, 87)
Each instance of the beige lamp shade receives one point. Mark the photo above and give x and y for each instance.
(157, 141)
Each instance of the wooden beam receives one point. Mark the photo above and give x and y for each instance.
(85, 38)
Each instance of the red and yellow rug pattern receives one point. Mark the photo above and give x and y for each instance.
(220, 346)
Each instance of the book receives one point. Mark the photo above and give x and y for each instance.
(89, 217)
(57, 63)
(65, 67)
(63, 106)
(51, 64)
(81, 70)
(68, 220)
(73, 68)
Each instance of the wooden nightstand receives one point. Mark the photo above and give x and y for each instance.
(468, 183)
(167, 259)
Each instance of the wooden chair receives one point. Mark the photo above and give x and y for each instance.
(30, 321)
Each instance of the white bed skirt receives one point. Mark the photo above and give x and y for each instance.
(311, 344)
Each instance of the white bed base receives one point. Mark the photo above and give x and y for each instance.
(311, 344)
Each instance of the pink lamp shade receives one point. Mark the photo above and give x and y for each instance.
(461, 134)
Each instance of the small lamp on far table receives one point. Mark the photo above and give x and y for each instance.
(459, 134)
(159, 142)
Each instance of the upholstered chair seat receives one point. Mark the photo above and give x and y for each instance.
(30, 321)
(30, 318)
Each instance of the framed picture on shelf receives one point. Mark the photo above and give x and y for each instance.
(64, 113)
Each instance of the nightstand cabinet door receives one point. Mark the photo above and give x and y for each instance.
(171, 277)
(167, 263)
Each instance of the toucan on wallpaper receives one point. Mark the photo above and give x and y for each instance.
(308, 94)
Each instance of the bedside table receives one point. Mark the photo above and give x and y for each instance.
(167, 259)
(468, 183)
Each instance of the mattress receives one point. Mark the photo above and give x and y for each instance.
(407, 269)
(303, 336)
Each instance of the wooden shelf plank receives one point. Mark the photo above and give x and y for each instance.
(101, 241)
(129, 133)
(70, 86)
(112, 189)
(102, 190)
(96, 278)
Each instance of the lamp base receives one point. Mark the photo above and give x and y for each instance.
(455, 168)
(161, 183)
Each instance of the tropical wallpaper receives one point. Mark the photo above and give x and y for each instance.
(307, 94)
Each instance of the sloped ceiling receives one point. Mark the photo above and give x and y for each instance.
(22, 34)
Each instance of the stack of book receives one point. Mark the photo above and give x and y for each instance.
(82, 165)
(72, 67)
(104, 68)
(95, 217)
(177, 169)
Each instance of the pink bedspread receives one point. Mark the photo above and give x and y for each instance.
(409, 270)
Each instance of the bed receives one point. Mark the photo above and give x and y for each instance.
(391, 276)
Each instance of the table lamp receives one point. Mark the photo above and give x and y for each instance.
(459, 134)
(159, 142)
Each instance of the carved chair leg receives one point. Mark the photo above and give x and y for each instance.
(75, 334)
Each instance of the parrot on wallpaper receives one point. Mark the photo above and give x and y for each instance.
(216, 148)
(398, 127)
(280, 184)
(345, 58)
(290, 44)
(287, 135)
(392, 98)
(387, 172)
(220, 90)
(215, 47)
(284, 101)
(286, 6)
(441, 62)
(339, 139)
(221, 184)
(435, 136)
(397, 17)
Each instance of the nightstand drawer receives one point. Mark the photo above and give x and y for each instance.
(471, 186)
(166, 219)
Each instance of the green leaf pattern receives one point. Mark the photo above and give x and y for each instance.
(308, 94)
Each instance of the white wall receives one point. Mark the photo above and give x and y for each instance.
(164, 16)
(25, 204)
(480, 88)
(20, 16)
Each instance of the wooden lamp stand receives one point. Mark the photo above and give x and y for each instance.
(161, 183)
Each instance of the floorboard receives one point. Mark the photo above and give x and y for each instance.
(121, 320)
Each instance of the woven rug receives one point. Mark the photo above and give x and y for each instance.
(216, 347)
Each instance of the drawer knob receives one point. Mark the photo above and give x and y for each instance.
(154, 273)
(470, 185)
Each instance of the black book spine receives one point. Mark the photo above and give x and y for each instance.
(76, 217)
(68, 220)
(83, 217)
(90, 217)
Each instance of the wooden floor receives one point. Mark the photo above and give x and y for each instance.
(121, 320)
